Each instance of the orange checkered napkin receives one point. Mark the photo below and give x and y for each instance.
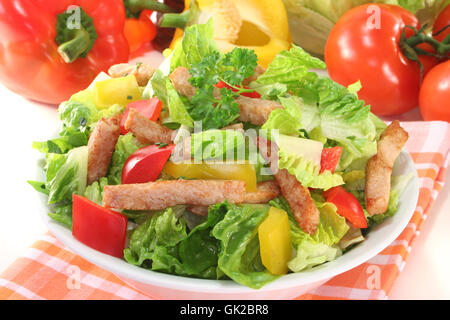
(47, 270)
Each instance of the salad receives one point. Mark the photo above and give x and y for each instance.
(213, 167)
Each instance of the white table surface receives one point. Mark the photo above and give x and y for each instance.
(425, 276)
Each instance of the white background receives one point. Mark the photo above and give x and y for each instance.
(425, 276)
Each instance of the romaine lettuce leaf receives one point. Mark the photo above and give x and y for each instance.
(239, 254)
(177, 108)
(288, 67)
(66, 174)
(198, 41)
(310, 254)
(156, 238)
(199, 252)
(218, 145)
(306, 172)
(287, 120)
(353, 236)
(322, 246)
(174, 111)
(62, 214)
(94, 192)
(126, 145)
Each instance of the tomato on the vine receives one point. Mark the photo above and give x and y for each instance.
(442, 22)
(365, 45)
(434, 97)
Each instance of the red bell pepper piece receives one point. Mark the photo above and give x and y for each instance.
(347, 206)
(140, 31)
(99, 228)
(146, 164)
(250, 94)
(149, 108)
(330, 159)
(49, 59)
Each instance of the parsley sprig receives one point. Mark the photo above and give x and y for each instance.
(218, 111)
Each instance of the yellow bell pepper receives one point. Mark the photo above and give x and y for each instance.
(275, 241)
(260, 25)
(209, 171)
(120, 91)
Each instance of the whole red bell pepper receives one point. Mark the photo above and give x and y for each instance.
(51, 49)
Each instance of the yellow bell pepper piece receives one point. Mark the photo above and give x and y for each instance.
(275, 241)
(211, 171)
(260, 25)
(120, 91)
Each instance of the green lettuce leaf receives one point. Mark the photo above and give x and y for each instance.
(199, 252)
(218, 145)
(154, 241)
(126, 145)
(63, 215)
(197, 43)
(287, 120)
(237, 233)
(177, 109)
(94, 192)
(310, 254)
(332, 227)
(306, 172)
(287, 68)
(66, 174)
(174, 112)
(353, 236)
(322, 246)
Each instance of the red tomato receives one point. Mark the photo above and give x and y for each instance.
(347, 206)
(330, 159)
(252, 94)
(441, 22)
(428, 62)
(146, 164)
(434, 97)
(149, 108)
(359, 49)
(99, 228)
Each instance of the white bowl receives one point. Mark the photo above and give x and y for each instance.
(165, 286)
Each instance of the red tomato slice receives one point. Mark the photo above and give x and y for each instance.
(99, 228)
(149, 108)
(330, 159)
(146, 164)
(252, 94)
(347, 206)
